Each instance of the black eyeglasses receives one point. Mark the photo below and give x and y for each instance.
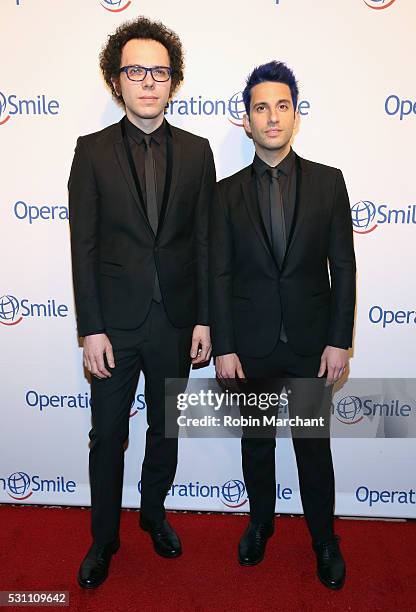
(139, 73)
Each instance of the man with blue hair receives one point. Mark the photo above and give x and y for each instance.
(277, 226)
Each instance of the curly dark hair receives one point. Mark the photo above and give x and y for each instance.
(110, 56)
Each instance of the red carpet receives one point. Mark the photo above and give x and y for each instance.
(41, 548)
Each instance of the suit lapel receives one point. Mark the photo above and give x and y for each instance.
(173, 164)
(303, 194)
(303, 191)
(251, 200)
(121, 155)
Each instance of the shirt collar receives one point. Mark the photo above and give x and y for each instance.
(285, 166)
(159, 135)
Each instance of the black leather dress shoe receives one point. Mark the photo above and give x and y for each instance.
(253, 543)
(330, 563)
(94, 568)
(165, 541)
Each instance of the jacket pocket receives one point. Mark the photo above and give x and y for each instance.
(242, 303)
(112, 269)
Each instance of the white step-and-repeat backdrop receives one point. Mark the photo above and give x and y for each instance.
(354, 61)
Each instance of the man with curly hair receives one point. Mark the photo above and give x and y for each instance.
(139, 192)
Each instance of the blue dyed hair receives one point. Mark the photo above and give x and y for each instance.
(276, 72)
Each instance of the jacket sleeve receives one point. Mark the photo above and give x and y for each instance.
(342, 269)
(204, 203)
(84, 225)
(220, 285)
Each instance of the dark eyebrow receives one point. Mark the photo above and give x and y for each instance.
(267, 104)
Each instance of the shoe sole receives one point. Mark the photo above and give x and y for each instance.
(332, 586)
(248, 564)
(90, 587)
(175, 556)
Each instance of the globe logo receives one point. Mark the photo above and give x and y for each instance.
(3, 108)
(233, 491)
(363, 214)
(349, 410)
(3, 103)
(19, 484)
(236, 109)
(115, 6)
(133, 409)
(379, 4)
(9, 310)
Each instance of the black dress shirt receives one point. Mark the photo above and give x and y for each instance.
(287, 180)
(159, 149)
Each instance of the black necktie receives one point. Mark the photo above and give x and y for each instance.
(151, 201)
(277, 216)
(150, 179)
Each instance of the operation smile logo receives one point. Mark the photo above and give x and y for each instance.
(232, 493)
(9, 310)
(4, 117)
(20, 486)
(363, 214)
(13, 312)
(366, 216)
(236, 109)
(11, 105)
(351, 409)
(373, 497)
(137, 405)
(378, 5)
(115, 6)
(233, 108)
(81, 400)
(32, 213)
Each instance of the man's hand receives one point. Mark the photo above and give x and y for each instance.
(201, 344)
(95, 347)
(334, 361)
(229, 366)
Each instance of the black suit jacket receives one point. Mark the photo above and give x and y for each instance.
(250, 295)
(114, 251)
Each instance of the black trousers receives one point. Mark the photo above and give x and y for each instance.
(313, 454)
(159, 350)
